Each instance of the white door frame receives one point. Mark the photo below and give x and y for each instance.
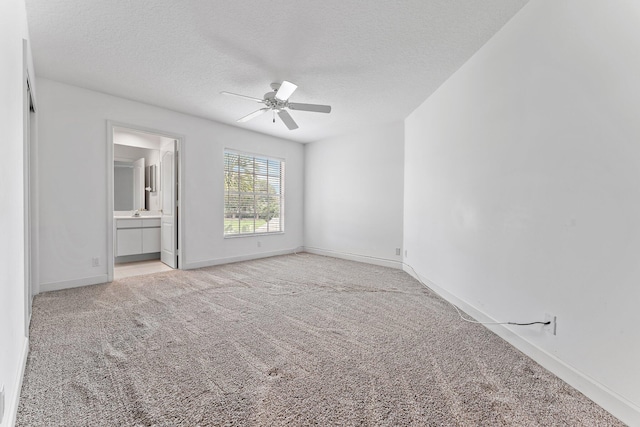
(31, 273)
(181, 195)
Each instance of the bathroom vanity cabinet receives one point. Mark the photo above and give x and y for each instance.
(136, 236)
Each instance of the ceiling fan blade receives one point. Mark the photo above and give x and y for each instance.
(242, 96)
(252, 115)
(285, 90)
(316, 108)
(287, 120)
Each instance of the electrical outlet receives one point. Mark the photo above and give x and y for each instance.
(551, 328)
(1, 403)
(259, 244)
(397, 251)
(95, 262)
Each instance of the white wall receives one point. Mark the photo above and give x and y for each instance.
(522, 190)
(353, 195)
(132, 138)
(73, 199)
(126, 153)
(13, 342)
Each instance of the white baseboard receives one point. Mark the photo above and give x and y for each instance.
(76, 283)
(239, 258)
(617, 405)
(11, 410)
(355, 257)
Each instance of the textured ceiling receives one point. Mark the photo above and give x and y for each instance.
(372, 62)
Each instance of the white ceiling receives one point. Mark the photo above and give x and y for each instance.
(372, 61)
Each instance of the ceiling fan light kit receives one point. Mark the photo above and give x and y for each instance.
(278, 101)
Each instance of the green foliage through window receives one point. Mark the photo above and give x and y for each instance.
(253, 194)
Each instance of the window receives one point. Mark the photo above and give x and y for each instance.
(253, 194)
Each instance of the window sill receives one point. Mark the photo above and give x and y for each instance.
(237, 236)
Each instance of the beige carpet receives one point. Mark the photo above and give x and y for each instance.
(293, 340)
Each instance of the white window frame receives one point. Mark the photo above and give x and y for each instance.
(256, 159)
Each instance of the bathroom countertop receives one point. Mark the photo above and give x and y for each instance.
(137, 217)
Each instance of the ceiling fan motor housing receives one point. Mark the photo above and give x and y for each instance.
(271, 101)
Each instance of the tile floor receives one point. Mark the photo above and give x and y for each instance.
(139, 268)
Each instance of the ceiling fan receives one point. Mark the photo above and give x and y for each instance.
(278, 101)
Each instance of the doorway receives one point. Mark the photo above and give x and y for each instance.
(144, 201)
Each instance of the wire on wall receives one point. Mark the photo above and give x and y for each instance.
(472, 320)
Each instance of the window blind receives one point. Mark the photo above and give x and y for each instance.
(253, 194)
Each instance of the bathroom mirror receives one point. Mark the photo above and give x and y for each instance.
(150, 178)
(135, 178)
(123, 186)
(129, 185)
